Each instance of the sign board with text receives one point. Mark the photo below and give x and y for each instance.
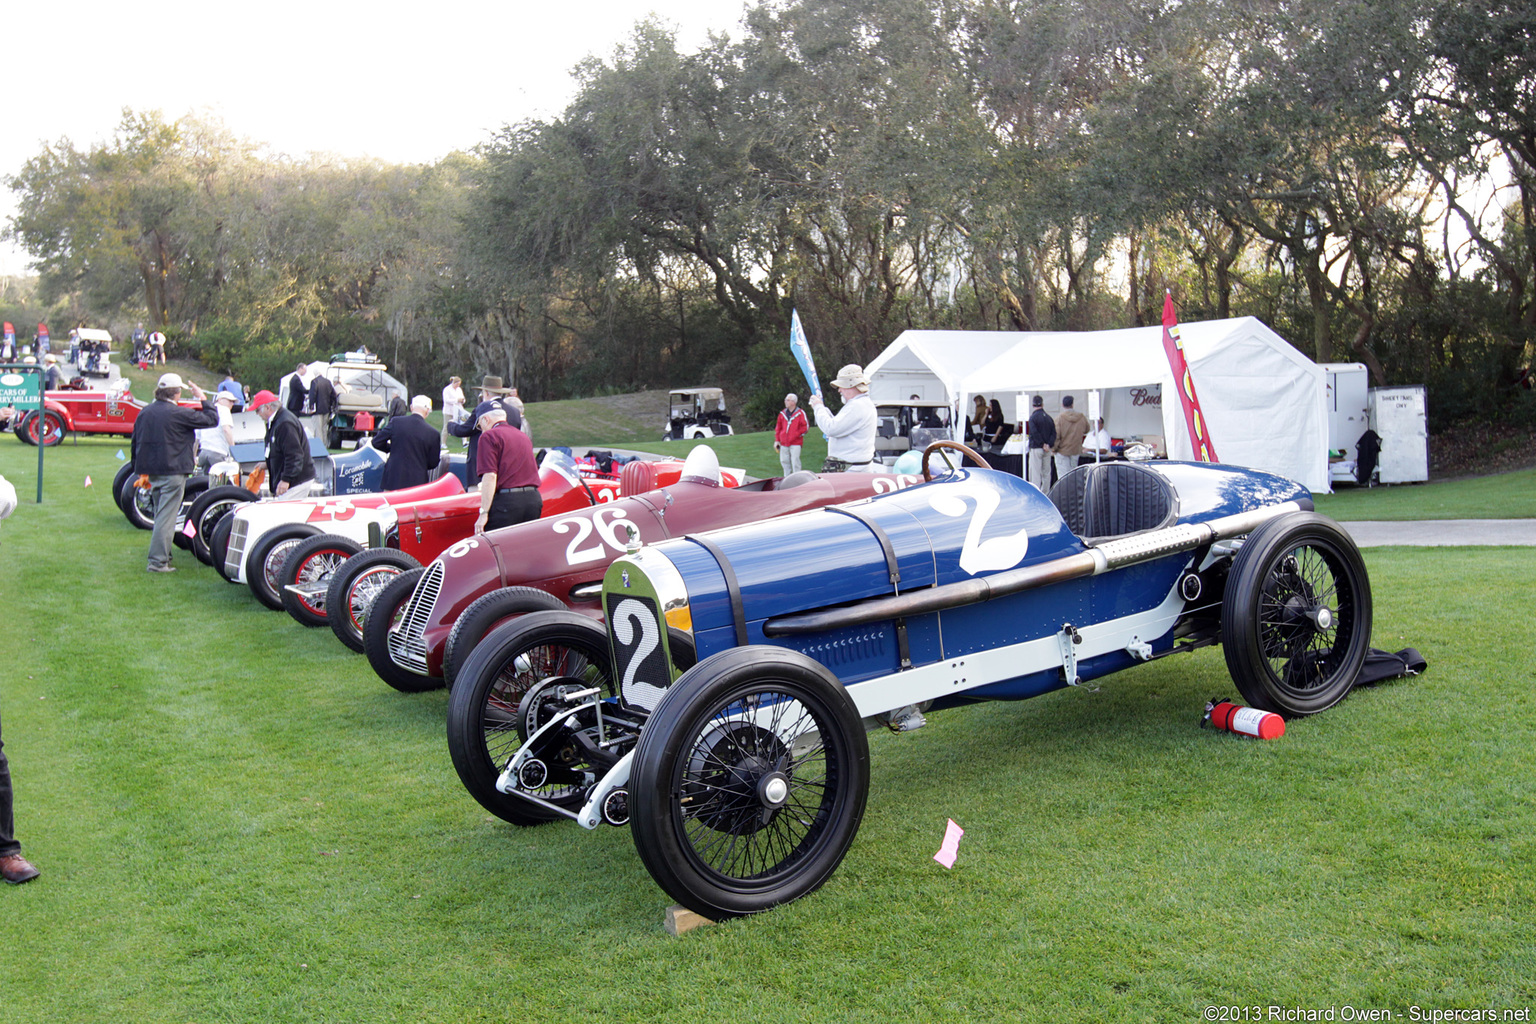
(22, 390)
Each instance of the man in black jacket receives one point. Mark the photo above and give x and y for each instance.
(1042, 440)
(162, 450)
(414, 447)
(290, 470)
(322, 395)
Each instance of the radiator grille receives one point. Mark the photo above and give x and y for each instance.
(234, 557)
(406, 646)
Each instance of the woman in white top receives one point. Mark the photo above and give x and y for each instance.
(453, 406)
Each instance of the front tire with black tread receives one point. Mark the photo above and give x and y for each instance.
(353, 587)
(382, 617)
(730, 814)
(314, 560)
(483, 707)
(46, 428)
(208, 510)
(264, 565)
(1296, 615)
(483, 614)
(137, 504)
(123, 472)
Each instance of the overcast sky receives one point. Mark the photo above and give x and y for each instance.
(403, 82)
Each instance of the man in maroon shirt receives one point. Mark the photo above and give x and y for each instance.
(509, 477)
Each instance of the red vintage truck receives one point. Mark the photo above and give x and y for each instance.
(112, 410)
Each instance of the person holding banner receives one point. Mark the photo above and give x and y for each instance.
(850, 432)
(789, 434)
(162, 453)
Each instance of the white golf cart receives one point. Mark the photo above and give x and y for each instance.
(694, 414)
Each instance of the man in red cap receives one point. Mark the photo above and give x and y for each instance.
(290, 470)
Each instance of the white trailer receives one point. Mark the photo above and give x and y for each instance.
(1399, 415)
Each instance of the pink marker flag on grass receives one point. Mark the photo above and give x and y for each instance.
(951, 846)
(87, 480)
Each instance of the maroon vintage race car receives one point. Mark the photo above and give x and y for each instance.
(110, 411)
(422, 626)
(335, 571)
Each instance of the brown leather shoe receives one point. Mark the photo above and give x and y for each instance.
(15, 869)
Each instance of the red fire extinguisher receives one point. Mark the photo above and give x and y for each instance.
(1223, 714)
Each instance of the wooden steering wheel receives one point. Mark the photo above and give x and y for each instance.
(957, 446)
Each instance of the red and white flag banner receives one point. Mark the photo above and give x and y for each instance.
(1199, 430)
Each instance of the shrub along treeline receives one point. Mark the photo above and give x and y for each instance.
(1360, 175)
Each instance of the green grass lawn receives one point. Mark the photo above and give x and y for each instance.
(236, 821)
(1502, 496)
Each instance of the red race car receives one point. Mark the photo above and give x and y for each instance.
(333, 571)
(421, 626)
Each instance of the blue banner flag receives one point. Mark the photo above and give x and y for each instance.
(802, 350)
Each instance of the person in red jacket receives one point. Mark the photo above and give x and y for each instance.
(789, 434)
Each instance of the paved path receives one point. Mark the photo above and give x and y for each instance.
(1433, 533)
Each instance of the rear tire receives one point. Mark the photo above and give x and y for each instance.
(383, 618)
(354, 586)
(484, 614)
(313, 561)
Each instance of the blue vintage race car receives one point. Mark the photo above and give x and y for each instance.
(723, 712)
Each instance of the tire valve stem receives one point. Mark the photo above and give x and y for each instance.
(1223, 714)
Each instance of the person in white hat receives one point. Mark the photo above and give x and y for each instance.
(850, 432)
(214, 443)
(163, 436)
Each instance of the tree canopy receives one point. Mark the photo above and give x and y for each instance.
(1358, 173)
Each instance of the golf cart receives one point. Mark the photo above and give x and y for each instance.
(694, 414)
(95, 356)
(915, 423)
(363, 392)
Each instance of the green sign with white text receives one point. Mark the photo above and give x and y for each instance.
(23, 390)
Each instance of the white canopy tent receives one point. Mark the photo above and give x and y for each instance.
(1264, 400)
(931, 364)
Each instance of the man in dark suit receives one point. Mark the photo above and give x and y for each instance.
(298, 390)
(322, 395)
(414, 447)
(290, 470)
